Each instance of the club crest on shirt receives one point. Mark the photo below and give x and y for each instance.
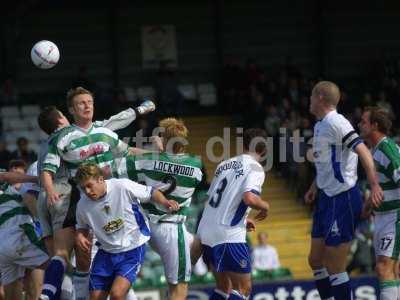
(106, 209)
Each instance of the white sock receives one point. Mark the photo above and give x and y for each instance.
(67, 290)
(398, 289)
(81, 284)
(221, 293)
(238, 295)
(131, 295)
(389, 290)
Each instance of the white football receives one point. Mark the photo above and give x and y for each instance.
(45, 54)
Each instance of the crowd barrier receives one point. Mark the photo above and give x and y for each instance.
(365, 288)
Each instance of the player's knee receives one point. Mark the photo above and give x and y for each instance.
(63, 254)
(245, 288)
(82, 262)
(315, 262)
(117, 294)
(224, 285)
(178, 291)
(384, 270)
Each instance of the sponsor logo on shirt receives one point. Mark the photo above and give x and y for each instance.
(92, 150)
(113, 226)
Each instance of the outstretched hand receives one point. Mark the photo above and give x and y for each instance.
(172, 205)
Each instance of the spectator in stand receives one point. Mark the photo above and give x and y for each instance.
(232, 86)
(5, 155)
(272, 94)
(9, 92)
(256, 113)
(82, 79)
(252, 72)
(265, 256)
(23, 152)
(367, 100)
(385, 104)
(293, 92)
(346, 106)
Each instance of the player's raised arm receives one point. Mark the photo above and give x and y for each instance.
(146, 194)
(369, 167)
(126, 117)
(15, 177)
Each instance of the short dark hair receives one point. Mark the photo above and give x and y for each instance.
(255, 133)
(17, 163)
(48, 119)
(381, 117)
(75, 92)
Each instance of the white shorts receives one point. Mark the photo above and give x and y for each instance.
(57, 216)
(172, 242)
(387, 234)
(19, 251)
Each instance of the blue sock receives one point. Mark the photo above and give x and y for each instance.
(321, 278)
(218, 295)
(235, 295)
(53, 277)
(341, 288)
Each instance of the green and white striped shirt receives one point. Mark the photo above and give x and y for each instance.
(115, 122)
(13, 212)
(15, 219)
(73, 146)
(176, 175)
(386, 156)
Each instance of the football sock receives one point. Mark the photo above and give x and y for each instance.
(53, 277)
(389, 290)
(340, 284)
(81, 284)
(219, 295)
(321, 278)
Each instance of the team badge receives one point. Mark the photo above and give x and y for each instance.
(243, 263)
(106, 209)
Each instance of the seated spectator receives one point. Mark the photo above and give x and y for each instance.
(265, 257)
(23, 152)
(5, 155)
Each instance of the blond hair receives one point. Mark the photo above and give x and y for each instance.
(72, 93)
(88, 171)
(328, 91)
(174, 130)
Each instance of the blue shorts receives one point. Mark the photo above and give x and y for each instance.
(336, 218)
(230, 257)
(107, 266)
